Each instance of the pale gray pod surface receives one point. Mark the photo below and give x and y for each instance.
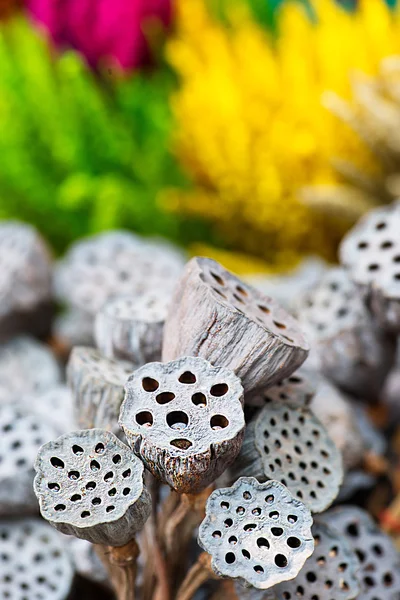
(185, 420)
(256, 532)
(90, 485)
(86, 562)
(74, 327)
(299, 388)
(215, 315)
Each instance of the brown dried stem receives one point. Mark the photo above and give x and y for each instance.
(200, 572)
(120, 563)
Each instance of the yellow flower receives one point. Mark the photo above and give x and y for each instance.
(251, 128)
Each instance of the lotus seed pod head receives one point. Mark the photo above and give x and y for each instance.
(257, 533)
(90, 485)
(74, 327)
(97, 385)
(35, 562)
(348, 347)
(22, 434)
(370, 253)
(288, 443)
(379, 561)
(215, 315)
(131, 327)
(185, 420)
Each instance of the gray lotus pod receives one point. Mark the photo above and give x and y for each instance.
(97, 385)
(34, 562)
(288, 443)
(22, 434)
(25, 280)
(379, 561)
(185, 420)
(55, 405)
(370, 252)
(74, 327)
(256, 532)
(131, 327)
(299, 388)
(217, 316)
(346, 345)
(90, 485)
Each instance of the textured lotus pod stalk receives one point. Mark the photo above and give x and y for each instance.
(299, 388)
(90, 485)
(288, 443)
(215, 315)
(185, 420)
(74, 328)
(379, 564)
(21, 435)
(346, 345)
(370, 253)
(256, 532)
(97, 385)
(34, 561)
(131, 327)
(25, 280)
(115, 262)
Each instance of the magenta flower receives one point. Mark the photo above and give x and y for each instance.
(102, 29)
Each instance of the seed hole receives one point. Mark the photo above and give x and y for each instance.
(107, 477)
(247, 495)
(181, 443)
(99, 448)
(59, 507)
(126, 491)
(217, 278)
(116, 459)
(91, 485)
(293, 542)
(144, 418)
(258, 569)
(373, 267)
(219, 389)
(96, 501)
(263, 543)
(165, 397)
(57, 463)
(94, 465)
(269, 499)
(177, 420)
(232, 540)
(187, 377)
(230, 558)
(112, 492)
(246, 554)
(110, 508)
(149, 384)
(276, 531)
(240, 510)
(362, 245)
(264, 308)
(380, 226)
(238, 298)
(77, 450)
(76, 498)
(54, 487)
(279, 325)
(225, 505)
(228, 522)
(386, 245)
(199, 399)
(217, 535)
(274, 515)
(74, 475)
(218, 422)
(281, 561)
(250, 527)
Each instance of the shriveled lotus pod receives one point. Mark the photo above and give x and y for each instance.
(34, 561)
(90, 485)
(299, 388)
(256, 532)
(131, 327)
(21, 435)
(185, 420)
(346, 344)
(115, 262)
(379, 561)
(97, 385)
(25, 281)
(370, 252)
(74, 328)
(288, 443)
(217, 316)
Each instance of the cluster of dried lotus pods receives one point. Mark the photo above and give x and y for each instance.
(177, 402)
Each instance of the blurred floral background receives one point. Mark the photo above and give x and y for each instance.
(254, 131)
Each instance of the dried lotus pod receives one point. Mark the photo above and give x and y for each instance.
(379, 564)
(299, 388)
(215, 315)
(90, 485)
(370, 252)
(72, 328)
(55, 406)
(34, 561)
(185, 420)
(21, 435)
(287, 443)
(25, 281)
(97, 385)
(131, 327)
(346, 345)
(256, 532)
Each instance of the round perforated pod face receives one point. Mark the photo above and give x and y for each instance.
(370, 252)
(379, 572)
(90, 485)
(256, 532)
(21, 435)
(34, 562)
(131, 327)
(299, 388)
(346, 345)
(185, 420)
(288, 443)
(97, 385)
(217, 316)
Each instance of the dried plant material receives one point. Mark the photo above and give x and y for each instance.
(54, 405)
(86, 562)
(74, 328)
(185, 420)
(97, 385)
(288, 443)
(217, 316)
(256, 532)
(21, 435)
(90, 485)
(299, 388)
(371, 254)
(379, 564)
(131, 327)
(34, 562)
(346, 345)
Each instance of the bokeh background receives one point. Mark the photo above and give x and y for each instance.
(253, 131)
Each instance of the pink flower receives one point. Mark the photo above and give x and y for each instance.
(102, 29)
